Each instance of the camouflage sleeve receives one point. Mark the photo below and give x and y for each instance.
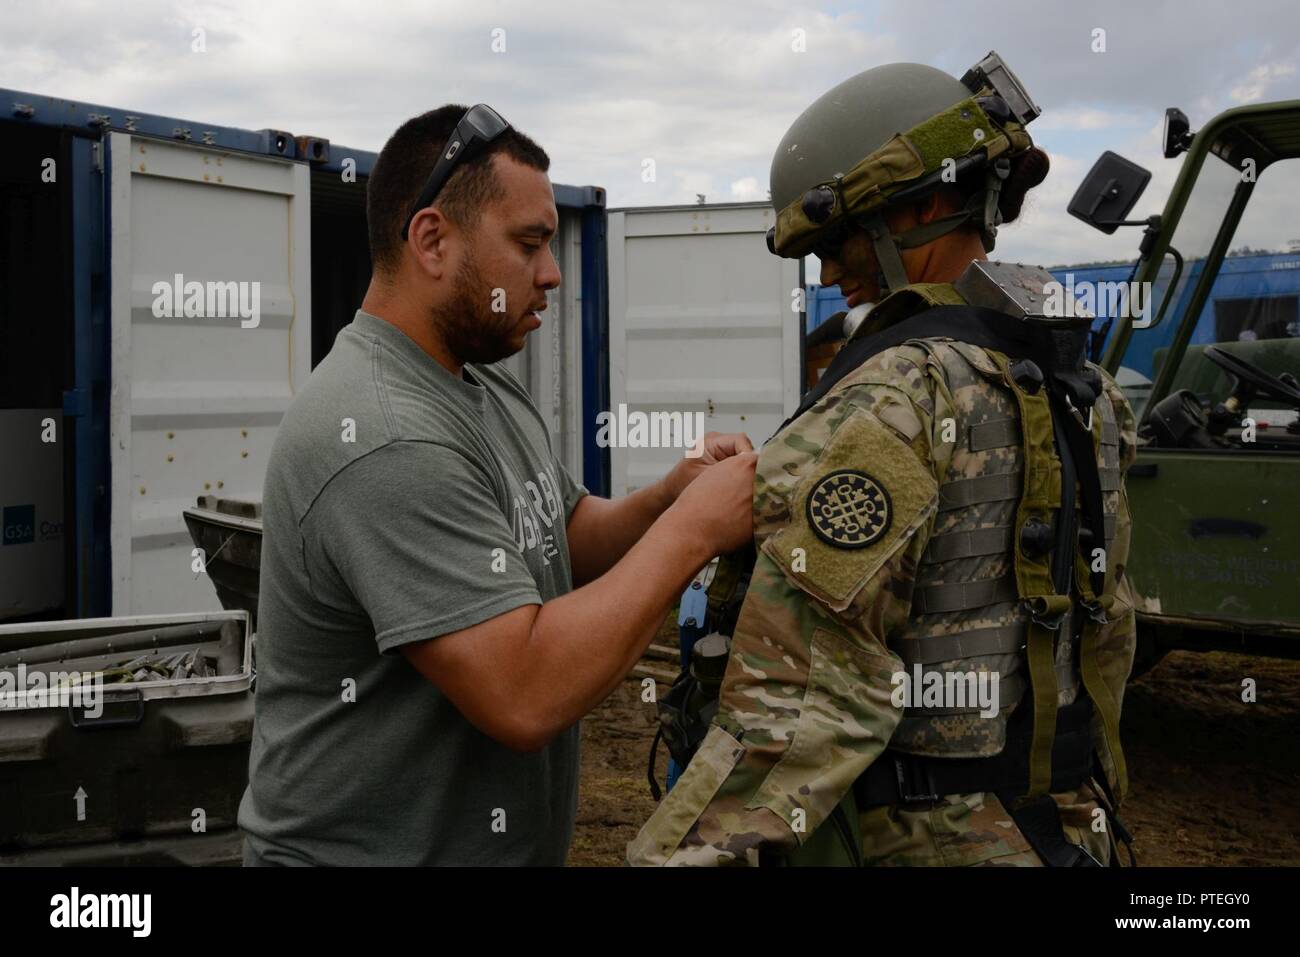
(1125, 420)
(850, 493)
(1117, 642)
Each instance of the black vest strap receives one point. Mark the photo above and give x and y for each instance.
(1088, 474)
(1039, 821)
(976, 325)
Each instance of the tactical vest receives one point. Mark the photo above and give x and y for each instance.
(967, 616)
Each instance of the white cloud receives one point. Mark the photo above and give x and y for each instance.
(1085, 118)
(1259, 80)
(746, 190)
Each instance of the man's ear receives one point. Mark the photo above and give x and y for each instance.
(429, 233)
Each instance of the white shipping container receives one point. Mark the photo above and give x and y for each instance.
(702, 319)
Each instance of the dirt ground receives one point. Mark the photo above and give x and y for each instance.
(1214, 781)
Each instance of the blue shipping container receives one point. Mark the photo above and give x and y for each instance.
(1242, 281)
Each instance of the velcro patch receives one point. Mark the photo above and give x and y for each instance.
(849, 509)
(901, 419)
(841, 531)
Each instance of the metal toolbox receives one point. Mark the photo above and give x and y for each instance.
(105, 764)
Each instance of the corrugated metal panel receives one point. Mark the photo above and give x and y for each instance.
(702, 319)
(550, 366)
(195, 402)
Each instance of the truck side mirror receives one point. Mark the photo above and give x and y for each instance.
(1177, 136)
(1111, 188)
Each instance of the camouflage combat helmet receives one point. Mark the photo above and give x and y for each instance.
(888, 136)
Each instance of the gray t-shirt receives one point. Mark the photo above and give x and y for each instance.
(401, 503)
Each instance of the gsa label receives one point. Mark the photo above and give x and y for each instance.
(19, 524)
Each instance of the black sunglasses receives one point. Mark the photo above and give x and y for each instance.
(476, 129)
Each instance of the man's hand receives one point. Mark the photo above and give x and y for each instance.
(717, 509)
(602, 530)
(710, 450)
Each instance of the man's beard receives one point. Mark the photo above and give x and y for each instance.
(470, 330)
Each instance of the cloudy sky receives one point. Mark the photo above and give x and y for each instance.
(706, 89)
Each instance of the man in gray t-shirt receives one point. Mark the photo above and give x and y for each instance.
(441, 481)
(422, 655)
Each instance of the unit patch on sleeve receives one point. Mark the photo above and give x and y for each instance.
(849, 509)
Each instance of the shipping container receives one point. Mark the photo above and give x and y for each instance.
(702, 319)
(113, 220)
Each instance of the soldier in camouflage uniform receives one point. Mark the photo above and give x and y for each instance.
(922, 448)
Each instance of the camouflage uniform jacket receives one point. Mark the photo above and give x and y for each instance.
(807, 701)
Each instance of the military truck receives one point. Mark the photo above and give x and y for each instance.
(1215, 492)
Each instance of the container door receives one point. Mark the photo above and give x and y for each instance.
(210, 306)
(702, 318)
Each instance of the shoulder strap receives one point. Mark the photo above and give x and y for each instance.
(976, 325)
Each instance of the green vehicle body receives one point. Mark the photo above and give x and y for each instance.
(1216, 532)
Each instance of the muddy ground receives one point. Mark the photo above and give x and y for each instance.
(1214, 780)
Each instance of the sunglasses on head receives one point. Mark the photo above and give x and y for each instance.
(475, 130)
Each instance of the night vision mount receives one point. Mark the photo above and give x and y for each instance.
(1008, 101)
(993, 72)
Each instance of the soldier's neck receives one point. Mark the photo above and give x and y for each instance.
(946, 259)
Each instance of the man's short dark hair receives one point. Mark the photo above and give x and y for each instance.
(404, 165)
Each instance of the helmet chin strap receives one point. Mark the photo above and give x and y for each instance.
(891, 275)
(982, 208)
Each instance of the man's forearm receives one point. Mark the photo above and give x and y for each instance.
(525, 675)
(602, 530)
(528, 674)
(585, 642)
